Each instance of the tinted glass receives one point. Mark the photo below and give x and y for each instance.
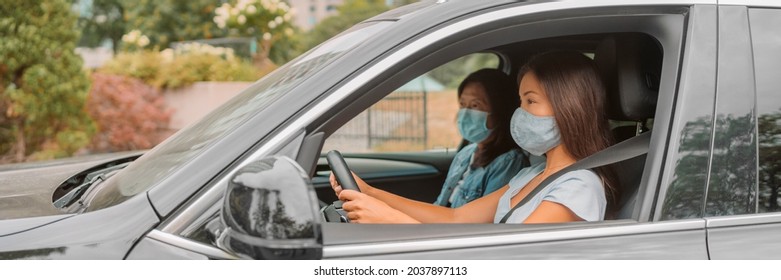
(732, 183)
(685, 195)
(766, 33)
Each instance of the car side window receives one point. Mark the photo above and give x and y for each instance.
(418, 116)
(746, 164)
(766, 38)
(732, 185)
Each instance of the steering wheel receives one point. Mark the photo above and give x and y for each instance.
(334, 212)
(341, 171)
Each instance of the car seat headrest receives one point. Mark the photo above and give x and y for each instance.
(630, 65)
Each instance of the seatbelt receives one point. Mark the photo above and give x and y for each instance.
(625, 150)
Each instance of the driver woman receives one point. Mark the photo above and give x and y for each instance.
(487, 99)
(561, 115)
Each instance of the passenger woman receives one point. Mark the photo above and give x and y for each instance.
(561, 115)
(487, 99)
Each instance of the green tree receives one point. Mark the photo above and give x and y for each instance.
(269, 21)
(167, 21)
(348, 14)
(103, 20)
(42, 85)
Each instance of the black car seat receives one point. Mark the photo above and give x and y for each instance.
(630, 65)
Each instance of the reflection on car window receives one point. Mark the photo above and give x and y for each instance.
(685, 196)
(767, 67)
(418, 116)
(189, 142)
(733, 170)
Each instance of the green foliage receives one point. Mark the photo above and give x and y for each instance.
(285, 50)
(144, 65)
(267, 20)
(162, 21)
(167, 21)
(104, 20)
(350, 13)
(190, 63)
(189, 68)
(42, 85)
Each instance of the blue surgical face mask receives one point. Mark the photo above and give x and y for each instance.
(472, 125)
(533, 133)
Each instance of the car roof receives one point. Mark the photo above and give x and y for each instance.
(440, 8)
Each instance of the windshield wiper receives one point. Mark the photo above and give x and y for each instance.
(68, 199)
(92, 179)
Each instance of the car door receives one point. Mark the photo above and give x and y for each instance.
(742, 205)
(659, 227)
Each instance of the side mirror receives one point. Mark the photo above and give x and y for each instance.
(271, 212)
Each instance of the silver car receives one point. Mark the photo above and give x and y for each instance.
(699, 79)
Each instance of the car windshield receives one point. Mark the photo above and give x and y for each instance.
(180, 148)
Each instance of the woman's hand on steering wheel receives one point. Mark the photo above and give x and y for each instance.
(360, 207)
(362, 185)
(364, 209)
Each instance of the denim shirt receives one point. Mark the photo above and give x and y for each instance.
(481, 181)
(580, 191)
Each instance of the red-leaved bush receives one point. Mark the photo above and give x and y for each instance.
(129, 114)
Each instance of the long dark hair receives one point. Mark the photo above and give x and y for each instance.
(502, 94)
(577, 95)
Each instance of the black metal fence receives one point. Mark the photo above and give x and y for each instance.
(399, 119)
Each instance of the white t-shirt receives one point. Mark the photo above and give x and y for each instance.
(581, 191)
